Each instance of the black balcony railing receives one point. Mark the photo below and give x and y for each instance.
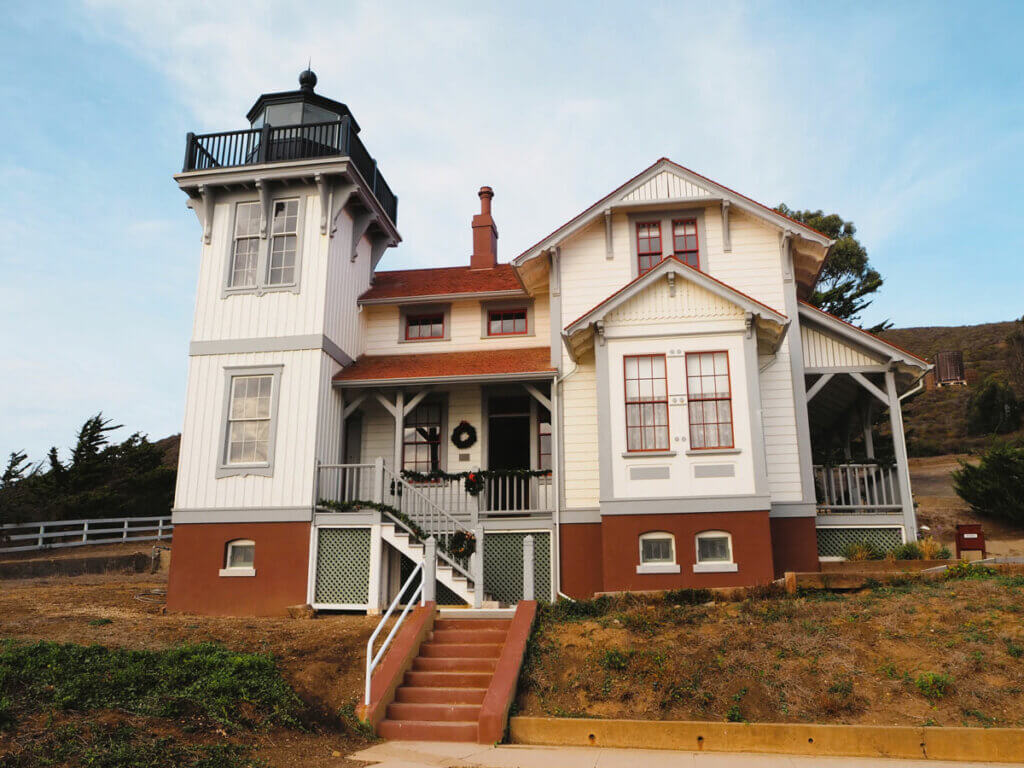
(272, 144)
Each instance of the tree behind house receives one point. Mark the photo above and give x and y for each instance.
(127, 479)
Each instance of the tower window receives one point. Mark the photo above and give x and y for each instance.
(284, 242)
(249, 419)
(246, 251)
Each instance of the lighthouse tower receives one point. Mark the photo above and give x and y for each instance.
(295, 215)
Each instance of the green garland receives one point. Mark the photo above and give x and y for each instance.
(355, 506)
(438, 474)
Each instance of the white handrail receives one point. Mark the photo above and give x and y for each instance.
(371, 660)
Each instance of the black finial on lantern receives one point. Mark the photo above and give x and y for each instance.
(307, 80)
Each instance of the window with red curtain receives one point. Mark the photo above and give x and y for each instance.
(709, 395)
(648, 245)
(646, 403)
(684, 242)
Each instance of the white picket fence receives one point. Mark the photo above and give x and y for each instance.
(79, 533)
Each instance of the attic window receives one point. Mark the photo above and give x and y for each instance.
(418, 327)
(684, 242)
(648, 245)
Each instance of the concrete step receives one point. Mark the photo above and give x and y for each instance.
(461, 650)
(448, 679)
(447, 713)
(408, 695)
(434, 664)
(469, 636)
(472, 624)
(425, 730)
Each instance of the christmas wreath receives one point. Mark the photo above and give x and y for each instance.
(463, 544)
(474, 483)
(464, 435)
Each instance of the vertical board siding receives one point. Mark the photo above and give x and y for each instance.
(329, 414)
(378, 432)
(383, 330)
(201, 447)
(664, 186)
(823, 350)
(464, 404)
(347, 280)
(657, 302)
(277, 313)
(579, 414)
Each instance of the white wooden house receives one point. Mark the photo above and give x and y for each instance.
(644, 391)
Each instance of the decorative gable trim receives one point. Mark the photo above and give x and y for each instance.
(861, 339)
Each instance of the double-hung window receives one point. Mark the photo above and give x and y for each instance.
(284, 240)
(648, 245)
(421, 438)
(249, 420)
(646, 403)
(684, 242)
(710, 400)
(245, 251)
(507, 322)
(420, 327)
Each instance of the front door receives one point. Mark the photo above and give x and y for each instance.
(508, 447)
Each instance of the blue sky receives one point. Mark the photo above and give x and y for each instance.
(907, 118)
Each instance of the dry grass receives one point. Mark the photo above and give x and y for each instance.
(820, 658)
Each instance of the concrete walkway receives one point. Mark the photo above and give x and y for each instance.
(422, 754)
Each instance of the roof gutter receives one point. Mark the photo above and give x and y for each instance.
(467, 378)
(434, 298)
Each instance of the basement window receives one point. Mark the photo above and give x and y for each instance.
(714, 553)
(240, 558)
(657, 553)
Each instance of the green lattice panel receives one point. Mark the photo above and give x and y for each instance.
(444, 595)
(503, 566)
(343, 566)
(832, 541)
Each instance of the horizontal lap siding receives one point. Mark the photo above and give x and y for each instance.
(278, 313)
(822, 350)
(383, 331)
(296, 426)
(579, 404)
(588, 278)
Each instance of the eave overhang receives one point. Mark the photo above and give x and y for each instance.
(444, 297)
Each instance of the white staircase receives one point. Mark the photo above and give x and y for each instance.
(403, 541)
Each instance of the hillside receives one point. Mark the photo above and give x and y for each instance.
(936, 419)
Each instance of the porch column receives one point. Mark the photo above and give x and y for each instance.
(900, 449)
(869, 438)
(399, 414)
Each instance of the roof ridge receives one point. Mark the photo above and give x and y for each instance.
(437, 269)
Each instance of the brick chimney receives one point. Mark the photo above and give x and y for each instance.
(485, 234)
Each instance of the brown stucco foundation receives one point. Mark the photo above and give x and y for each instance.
(580, 559)
(281, 564)
(794, 544)
(751, 543)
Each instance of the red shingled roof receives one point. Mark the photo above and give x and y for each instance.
(443, 365)
(442, 281)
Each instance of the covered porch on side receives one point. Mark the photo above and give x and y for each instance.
(855, 383)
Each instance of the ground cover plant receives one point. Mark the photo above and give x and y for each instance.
(941, 652)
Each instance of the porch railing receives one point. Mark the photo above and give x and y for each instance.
(347, 482)
(857, 488)
(502, 494)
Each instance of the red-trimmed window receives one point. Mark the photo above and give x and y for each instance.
(709, 395)
(507, 322)
(424, 326)
(421, 439)
(684, 242)
(543, 438)
(646, 403)
(648, 245)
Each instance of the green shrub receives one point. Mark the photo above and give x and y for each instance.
(862, 550)
(992, 409)
(933, 685)
(995, 487)
(688, 596)
(204, 681)
(964, 569)
(908, 551)
(615, 659)
(574, 610)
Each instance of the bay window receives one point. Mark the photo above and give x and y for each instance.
(709, 396)
(646, 390)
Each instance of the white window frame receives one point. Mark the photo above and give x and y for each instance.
(238, 570)
(713, 566)
(265, 469)
(272, 236)
(660, 566)
(262, 285)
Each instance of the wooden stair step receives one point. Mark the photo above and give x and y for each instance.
(461, 650)
(434, 712)
(439, 695)
(427, 730)
(453, 664)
